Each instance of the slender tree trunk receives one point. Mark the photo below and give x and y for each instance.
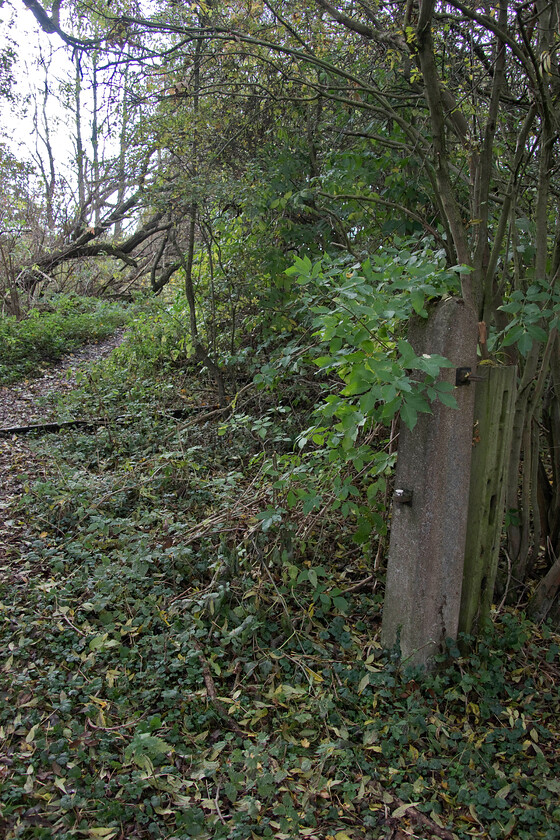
(95, 146)
(80, 153)
(123, 145)
(188, 262)
(494, 401)
(42, 133)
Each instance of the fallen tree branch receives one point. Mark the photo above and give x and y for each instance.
(416, 817)
(54, 426)
(361, 584)
(85, 422)
(216, 411)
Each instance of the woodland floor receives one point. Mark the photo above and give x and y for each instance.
(25, 403)
(171, 669)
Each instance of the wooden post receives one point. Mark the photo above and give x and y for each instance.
(493, 413)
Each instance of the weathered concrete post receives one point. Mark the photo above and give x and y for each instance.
(428, 528)
(493, 408)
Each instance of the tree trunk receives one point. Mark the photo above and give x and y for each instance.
(96, 187)
(545, 594)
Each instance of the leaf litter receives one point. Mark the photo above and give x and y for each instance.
(171, 669)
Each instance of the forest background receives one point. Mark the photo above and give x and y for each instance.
(195, 573)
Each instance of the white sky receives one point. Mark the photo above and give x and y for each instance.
(16, 120)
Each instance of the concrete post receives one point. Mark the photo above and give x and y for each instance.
(428, 529)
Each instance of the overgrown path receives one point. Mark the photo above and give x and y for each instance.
(21, 403)
(25, 402)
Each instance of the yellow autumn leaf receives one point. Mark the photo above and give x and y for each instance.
(29, 738)
(313, 674)
(402, 809)
(99, 701)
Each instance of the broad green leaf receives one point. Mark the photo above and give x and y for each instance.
(409, 415)
(524, 343)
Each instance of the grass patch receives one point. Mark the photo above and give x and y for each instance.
(46, 336)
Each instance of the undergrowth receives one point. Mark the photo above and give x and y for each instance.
(45, 336)
(189, 653)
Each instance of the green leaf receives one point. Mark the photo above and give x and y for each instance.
(409, 415)
(408, 355)
(513, 334)
(417, 300)
(524, 343)
(341, 604)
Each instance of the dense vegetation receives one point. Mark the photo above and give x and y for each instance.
(276, 199)
(179, 664)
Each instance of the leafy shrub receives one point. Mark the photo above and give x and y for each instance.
(158, 337)
(353, 318)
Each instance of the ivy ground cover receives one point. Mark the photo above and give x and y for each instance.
(168, 672)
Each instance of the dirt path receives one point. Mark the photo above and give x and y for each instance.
(19, 404)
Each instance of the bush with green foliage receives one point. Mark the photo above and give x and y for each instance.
(350, 337)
